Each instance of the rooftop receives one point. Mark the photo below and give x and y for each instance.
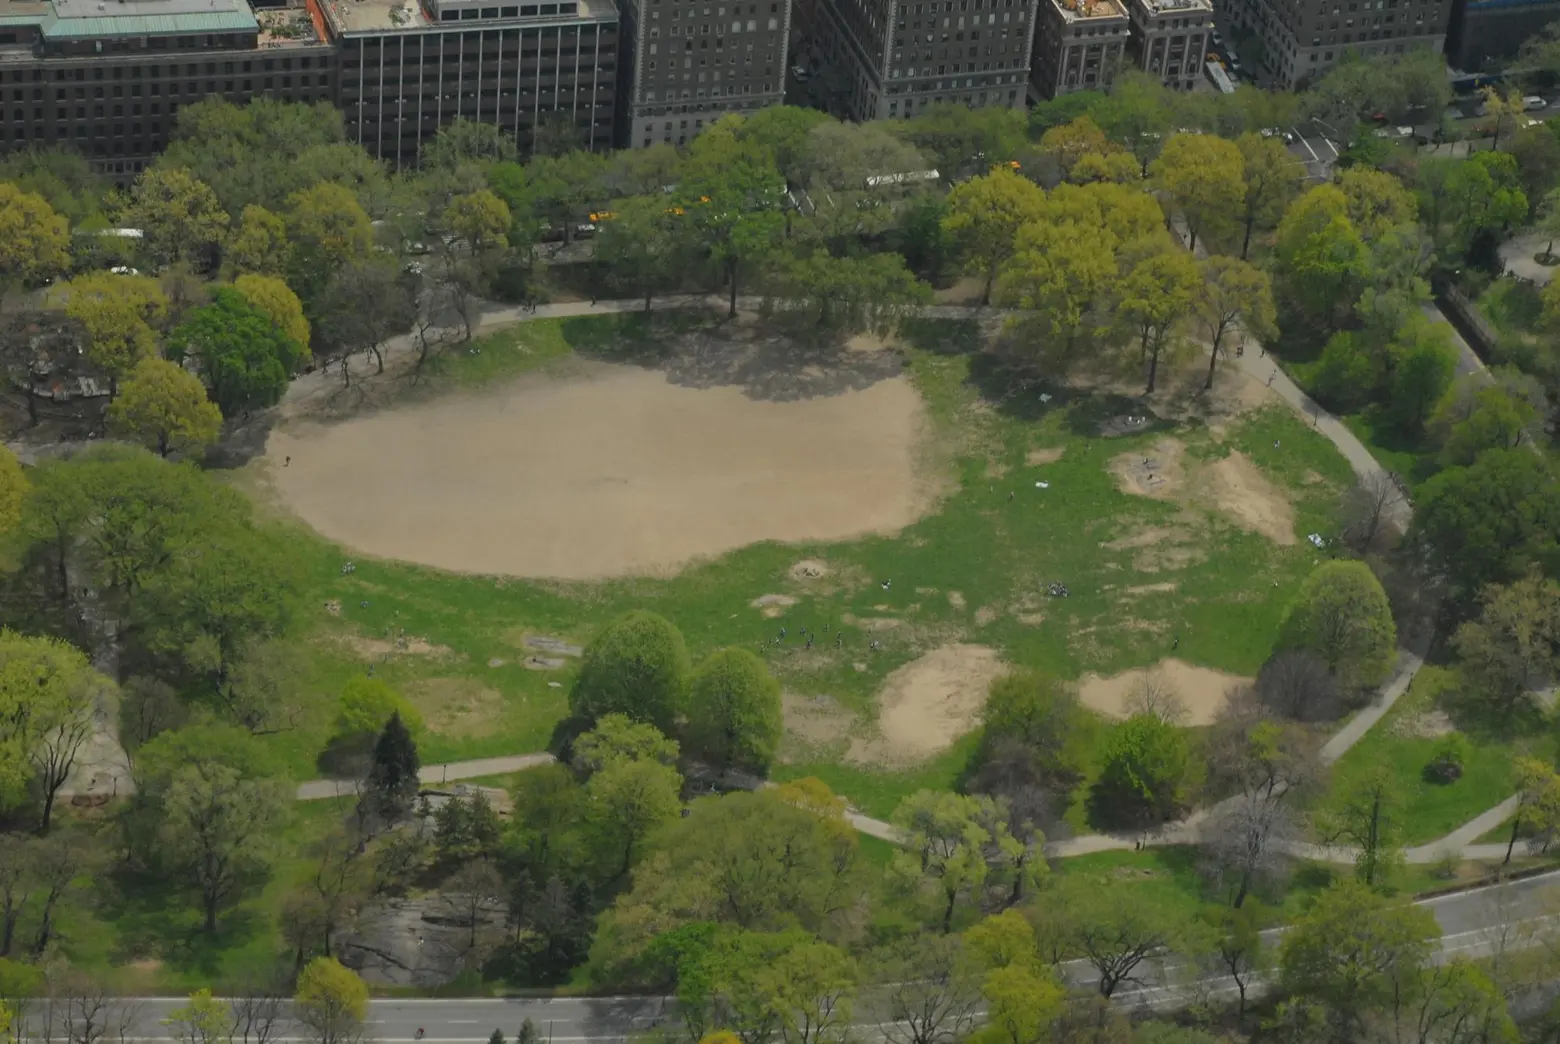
(1078, 10)
(286, 27)
(388, 16)
(78, 18)
(1171, 6)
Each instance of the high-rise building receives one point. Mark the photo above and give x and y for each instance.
(1485, 34)
(107, 77)
(1301, 39)
(1078, 45)
(892, 58)
(687, 63)
(1170, 39)
(409, 67)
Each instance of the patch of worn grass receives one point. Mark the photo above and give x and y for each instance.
(1429, 810)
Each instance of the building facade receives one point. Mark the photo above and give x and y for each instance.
(408, 67)
(1170, 39)
(1483, 35)
(1301, 40)
(687, 63)
(892, 58)
(1079, 46)
(107, 77)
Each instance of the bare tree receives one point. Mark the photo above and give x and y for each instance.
(55, 752)
(18, 879)
(1368, 509)
(61, 861)
(1244, 839)
(1296, 684)
(147, 707)
(1154, 695)
(259, 1014)
(365, 304)
(933, 991)
(477, 892)
(82, 1007)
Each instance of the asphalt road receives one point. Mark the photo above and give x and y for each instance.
(1474, 923)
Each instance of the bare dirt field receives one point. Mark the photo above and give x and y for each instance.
(1233, 486)
(1202, 692)
(612, 470)
(928, 703)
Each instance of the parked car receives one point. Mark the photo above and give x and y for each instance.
(1533, 102)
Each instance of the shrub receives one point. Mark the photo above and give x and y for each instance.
(1446, 763)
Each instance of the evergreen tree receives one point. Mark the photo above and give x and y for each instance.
(392, 778)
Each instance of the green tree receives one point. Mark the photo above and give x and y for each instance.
(328, 229)
(1234, 295)
(849, 295)
(1485, 417)
(950, 841)
(1042, 716)
(246, 359)
(392, 782)
(629, 800)
(1368, 816)
(204, 1020)
(331, 1001)
(271, 297)
(1205, 178)
(783, 130)
(120, 314)
(1514, 640)
(258, 243)
(1487, 523)
(1273, 179)
(1353, 952)
(1156, 294)
(48, 695)
(1486, 196)
(222, 827)
(1342, 615)
(1238, 945)
(179, 214)
(638, 666)
(1059, 270)
(1424, 364)
(367, 705)
(1457, 1003)
(480, 220)
(1068, 144)
(734, 712)
(466, 830)
(1114, 926)
(642, 244)
(732, 194)
(984, 216)
(1002, 940)
(1322, 261)
(617, 737)
(164, 407)
(1022, 1002)
(1538, 801)
(1148, 773)
(34, 240)
(1377, 201)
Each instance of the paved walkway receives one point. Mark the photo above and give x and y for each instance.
(1518, 255)
(430, 775)
(1361, 723)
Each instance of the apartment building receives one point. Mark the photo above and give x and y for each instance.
(1483, 35)
(687, 63)
(1079, 45)
(1170, 39)
(1301, 39)
(408, 67)
(107, 77)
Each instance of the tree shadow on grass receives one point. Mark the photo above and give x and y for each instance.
(766, 362)
(155, 918)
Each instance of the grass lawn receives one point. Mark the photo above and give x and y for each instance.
(1411, 460)
(1401, 742)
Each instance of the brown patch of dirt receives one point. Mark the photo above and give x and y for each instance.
(1242, 493)
(965, 291)
(1143, 589)
(985, 615)
(456, 706)
(1424, 725)
(809, 569)
(1155, 472)
(1160, 548)
(995, 469)
(1202, 690)
(873, 623)
(609, 471)
(1030, 619)
(928, 703)
(379, 648)
(1045, 456)
(870, 342)
(816, 721)
(956, 600)
(772, 605)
